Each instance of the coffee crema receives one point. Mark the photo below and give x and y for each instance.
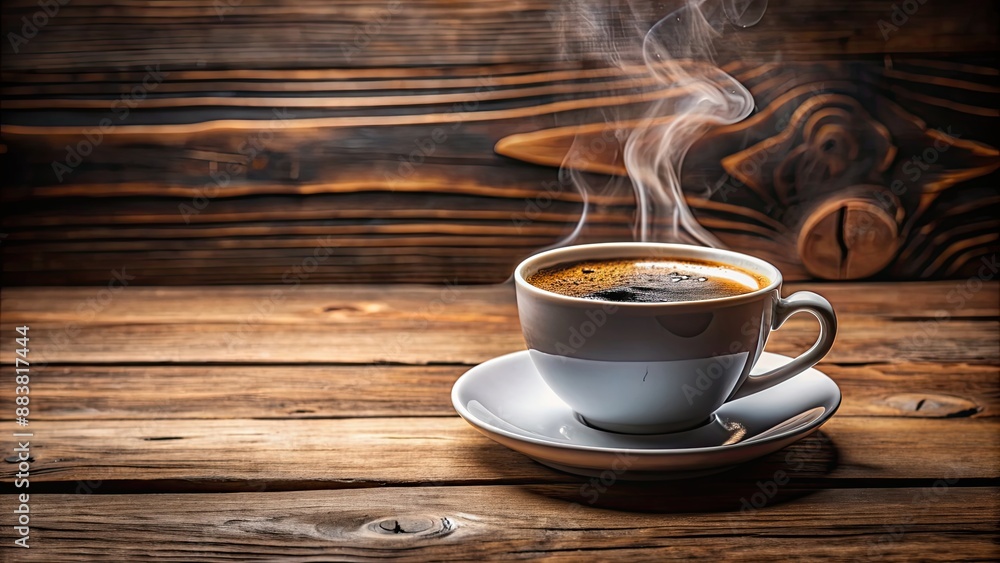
(647, 280)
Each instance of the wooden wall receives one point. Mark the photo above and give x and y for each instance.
(257, 141)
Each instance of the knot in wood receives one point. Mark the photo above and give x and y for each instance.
(410, 524)
(852, 235)
(933, 405)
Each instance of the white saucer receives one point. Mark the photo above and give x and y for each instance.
(506, 399)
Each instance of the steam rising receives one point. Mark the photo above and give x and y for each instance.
(678, 51)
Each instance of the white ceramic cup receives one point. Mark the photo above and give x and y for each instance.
(649, 368)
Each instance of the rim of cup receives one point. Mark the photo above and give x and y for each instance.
(564, 254)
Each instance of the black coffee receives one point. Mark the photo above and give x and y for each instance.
(647, 280)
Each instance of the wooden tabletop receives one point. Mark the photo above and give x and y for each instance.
(314, 423)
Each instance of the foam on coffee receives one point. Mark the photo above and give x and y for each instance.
(647, 280)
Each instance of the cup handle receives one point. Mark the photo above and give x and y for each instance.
(800, 301)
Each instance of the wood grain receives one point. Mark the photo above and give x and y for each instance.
(453, 341)
(240, 455)
(451, 324)
(542, 32)
(96, 392)
(199, 182)
(826, 161)
(518, 522)
(347, 460)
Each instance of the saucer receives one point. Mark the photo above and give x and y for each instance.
(506, 399)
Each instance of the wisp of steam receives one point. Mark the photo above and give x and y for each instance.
(678, 51)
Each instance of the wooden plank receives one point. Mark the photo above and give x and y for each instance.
(287, 454)
(544, 32)
(159, 170)
(942, 301)
(928, 321)
(91, 392)
(271, 210)
(662, 522)
(162, 161)
(926, 300)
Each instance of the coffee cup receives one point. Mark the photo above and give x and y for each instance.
(659, 367)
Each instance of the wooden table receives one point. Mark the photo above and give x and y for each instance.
(314, 423)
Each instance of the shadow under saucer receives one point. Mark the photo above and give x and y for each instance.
(794, 472)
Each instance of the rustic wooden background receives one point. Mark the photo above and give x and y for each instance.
(264, 141)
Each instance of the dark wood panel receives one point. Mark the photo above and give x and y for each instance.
(832, 177)
(320, 35)
(272, 118)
